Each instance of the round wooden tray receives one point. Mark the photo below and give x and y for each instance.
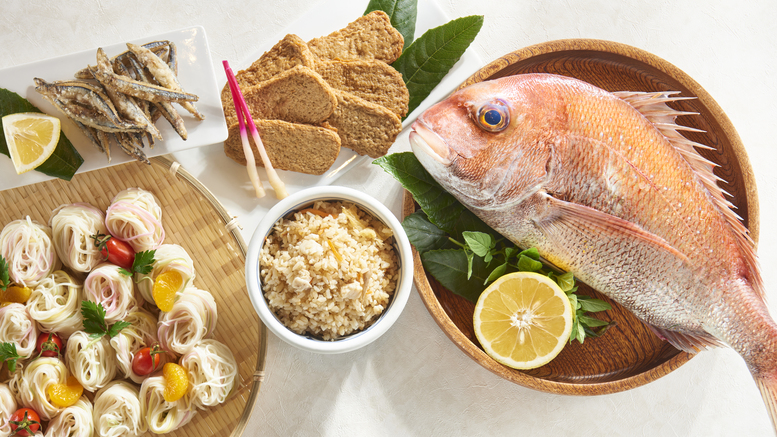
(193, 218)
(629, 354)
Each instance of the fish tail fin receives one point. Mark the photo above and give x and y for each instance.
(767, 384)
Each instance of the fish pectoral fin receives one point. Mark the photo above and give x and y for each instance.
(688, 342)
(564, 218)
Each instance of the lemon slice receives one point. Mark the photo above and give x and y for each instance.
(523, 320)
(31, 138)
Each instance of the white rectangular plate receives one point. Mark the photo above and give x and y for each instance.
(195, 72)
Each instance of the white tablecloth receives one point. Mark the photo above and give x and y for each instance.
(413, 380)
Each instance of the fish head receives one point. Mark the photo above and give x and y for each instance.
(487, 143)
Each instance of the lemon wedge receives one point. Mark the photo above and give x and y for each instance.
(523, 320)
(31, 138)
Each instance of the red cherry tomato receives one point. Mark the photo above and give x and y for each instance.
(146, 360)
(115, 251)
(49, 345)
(24, 422)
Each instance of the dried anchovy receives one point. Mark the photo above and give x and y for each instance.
(156, 46)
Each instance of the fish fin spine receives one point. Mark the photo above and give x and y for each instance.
(767, 385)
(691, 343)
(653, 106)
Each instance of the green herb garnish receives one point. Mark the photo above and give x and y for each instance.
(9, 355)
(5, 276)
(94, 321)
(465, 255)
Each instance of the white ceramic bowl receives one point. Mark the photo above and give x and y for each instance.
(304, 199)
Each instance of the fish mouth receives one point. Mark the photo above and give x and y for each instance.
(423, 139)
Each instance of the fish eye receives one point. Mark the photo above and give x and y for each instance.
(493, 117)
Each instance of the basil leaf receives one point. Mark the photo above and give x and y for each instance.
(591, 322)
(532, 253)
(479, 242)
(423, 234)
(526, 264)
(496, 273)
(428, 59)
(449, 267)
(593, 305)
(440, 206)
(402, 14)
(65, 160)
(565, 281)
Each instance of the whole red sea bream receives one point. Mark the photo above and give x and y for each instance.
(605, 187)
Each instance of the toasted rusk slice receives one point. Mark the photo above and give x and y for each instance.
(364, 127)
(373, 81)
(297, 95)
(290, 146)
(370, 36)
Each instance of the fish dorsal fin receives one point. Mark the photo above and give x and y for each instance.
(653, 105)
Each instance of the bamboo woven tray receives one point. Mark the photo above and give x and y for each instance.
(194, 219)
(628, 355)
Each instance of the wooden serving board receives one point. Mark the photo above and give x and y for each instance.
(629, 354)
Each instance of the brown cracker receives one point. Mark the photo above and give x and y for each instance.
(290, 146)
(373, 81)
(364, 127)
(368, 37)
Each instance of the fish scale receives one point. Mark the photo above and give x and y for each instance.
(605, 186)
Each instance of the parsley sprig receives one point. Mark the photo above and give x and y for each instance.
(9, 355)
(5, 278)
(94, 321)
(143, 264)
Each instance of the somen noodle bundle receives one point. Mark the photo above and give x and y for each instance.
(92, 362)
(36, 379)
(117, 411)
(55, 304)
(7, 407)
(162, 416)
(135, 217)
(73, 421)
(17, 327)
(106, 285)
(72, 227)
(212, 370)
(27, 248)
(169, 257)
(141, 333)
(192, 318)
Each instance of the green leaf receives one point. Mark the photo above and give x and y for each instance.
(428, 59)
(440, 206)
(591, 322)
(113, 331)
(496, 273)
(449, 267)
(124, 271)
(5, 278)
(94, 318)
(143, 262)
(594, 305)
(565, 281)
(423, 234)
(479, 242)
(580, 335)
(8, 354)
(532, 253)
(526, 264)
(65, 160)
(402, 14)
(470, 261)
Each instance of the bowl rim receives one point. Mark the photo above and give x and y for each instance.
(398, 301)
(436, 309)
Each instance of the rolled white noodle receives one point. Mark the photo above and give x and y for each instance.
(117, 411)
(72, 226)
(27, 248)
(14, 382)
(162, 416)
(7, 407)
(16, 326)
(115, 291)
(36, 379)
(92, 362)
(192, 318)
(136, 217)
(169, 257)
(212, 370)
(141, 333)
(73, 421)
(55, 304)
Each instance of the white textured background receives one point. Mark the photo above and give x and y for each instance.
(414, 381)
